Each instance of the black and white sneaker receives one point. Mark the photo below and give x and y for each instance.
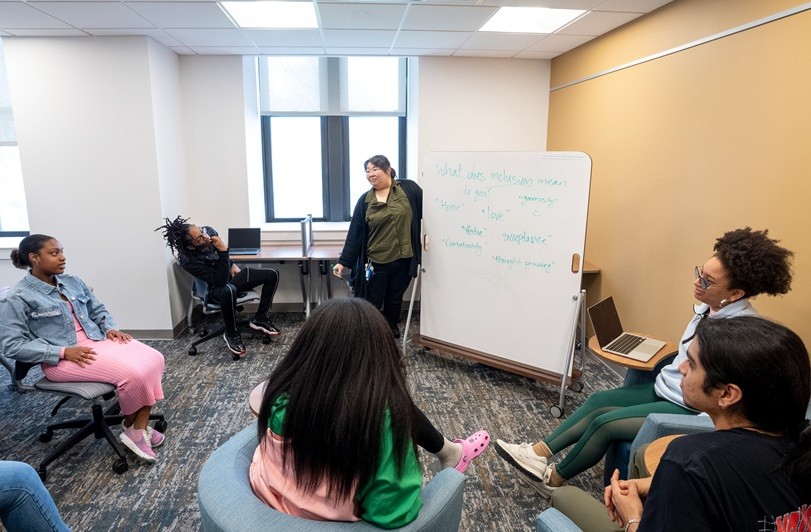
(263, 323)
(234, 343)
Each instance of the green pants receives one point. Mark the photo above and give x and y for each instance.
(588, 513)
(605, 417)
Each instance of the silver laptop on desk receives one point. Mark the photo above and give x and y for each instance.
(613, 339)
(244, 240)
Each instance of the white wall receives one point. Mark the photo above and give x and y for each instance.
(83, 110)
(476, 104)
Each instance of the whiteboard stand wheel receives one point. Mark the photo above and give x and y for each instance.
(576, 387)
(556, 411)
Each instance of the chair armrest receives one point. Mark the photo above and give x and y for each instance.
(552, 520)
(659, 425)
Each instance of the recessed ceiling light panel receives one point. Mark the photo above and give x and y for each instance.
(530, 19)
(272, 14)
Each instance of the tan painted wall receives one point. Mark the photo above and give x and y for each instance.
(688, 146)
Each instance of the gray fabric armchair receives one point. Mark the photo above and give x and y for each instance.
(227, 502)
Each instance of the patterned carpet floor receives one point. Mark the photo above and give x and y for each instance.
(206, 401)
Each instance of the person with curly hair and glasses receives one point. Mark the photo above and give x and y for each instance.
(745, 264)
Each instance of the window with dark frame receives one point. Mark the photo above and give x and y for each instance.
(315, 140)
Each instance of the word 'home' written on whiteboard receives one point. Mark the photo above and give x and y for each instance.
(501, 230)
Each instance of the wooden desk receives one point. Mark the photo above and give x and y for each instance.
(255, 398)
(282, 253)
(655, 450)
(668, 349)
(589, 268)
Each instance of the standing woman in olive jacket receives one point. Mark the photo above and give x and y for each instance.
(383, 243)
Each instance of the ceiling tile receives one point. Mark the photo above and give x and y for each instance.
(93, 14)
(201, 37)
(447, 18)
(225, 50)
(291, 50)
(357, 51)
(559, 43)
(356, 39)
(597, 23)
(361, 16)
(48, 32)
(501, 41)
(483, 53)
(537, 55)
(638, 6)
(432, 39)
(284, 37)
(422, 51)
(183, 14)
(157, 34)
(558, 4)
(20, 15)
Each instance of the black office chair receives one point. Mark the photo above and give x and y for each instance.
(98, 424)
(200, 294)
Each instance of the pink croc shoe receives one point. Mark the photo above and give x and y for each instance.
(473, 446)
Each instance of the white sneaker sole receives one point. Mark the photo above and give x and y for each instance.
(135, 449)
(515, 461)
(266, 332)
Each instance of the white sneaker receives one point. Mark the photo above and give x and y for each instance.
(522, 457)
(541, 486)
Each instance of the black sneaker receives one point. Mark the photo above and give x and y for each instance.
(396, 331)
(234, 343)
(263, 323)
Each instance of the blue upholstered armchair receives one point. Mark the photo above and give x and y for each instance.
(227, 502)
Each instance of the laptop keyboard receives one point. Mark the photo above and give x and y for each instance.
(625, 343)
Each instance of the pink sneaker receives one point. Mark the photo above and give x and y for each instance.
(473, 446)
(155, 438)
(136, 442)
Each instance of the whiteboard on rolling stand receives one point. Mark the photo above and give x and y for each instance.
(503, 241)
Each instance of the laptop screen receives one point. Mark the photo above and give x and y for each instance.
(244, 238)
(606, 321)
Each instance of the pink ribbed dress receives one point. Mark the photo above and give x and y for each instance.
(135, 369)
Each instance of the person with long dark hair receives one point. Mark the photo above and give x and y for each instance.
(383, 242)
(203, 253)
(338, 428)
(752, 376)
(745, 264)
(54, 319)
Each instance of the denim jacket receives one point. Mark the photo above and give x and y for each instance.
(35, 323)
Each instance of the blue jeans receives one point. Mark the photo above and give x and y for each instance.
(25, 503)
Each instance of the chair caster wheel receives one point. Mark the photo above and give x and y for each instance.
(46, 436)
(120, 466)
(576, 387)
(556, 411)
(266, 339)
(161, 425)
(42, 473)
(192, 351)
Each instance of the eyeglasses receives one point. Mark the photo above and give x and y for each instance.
(705, 283)
(201, 238)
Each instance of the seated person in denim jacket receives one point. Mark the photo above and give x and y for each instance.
(54, 319)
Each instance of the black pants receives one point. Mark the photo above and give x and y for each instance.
(386, 288)
(226, 296)
(428, 437)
